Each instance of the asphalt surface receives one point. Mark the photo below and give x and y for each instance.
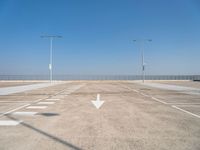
(133, 117)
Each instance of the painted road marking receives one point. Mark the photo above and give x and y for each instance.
(9, 123)
(195, 115)
(136, 91)
(53, 99)
(33, 107)
(158, 100)
(173, 104)
(12, 110)
(145, 95)
(8, 112)
(184, 103)
(97, 103)
(15, 101)
(36, 107)
(24, 113)
(46, 103)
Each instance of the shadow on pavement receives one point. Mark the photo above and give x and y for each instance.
(65, 143)
(48, 114)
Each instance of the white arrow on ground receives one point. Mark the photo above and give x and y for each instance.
(98, 103)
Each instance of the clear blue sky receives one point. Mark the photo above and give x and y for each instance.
(98, 36)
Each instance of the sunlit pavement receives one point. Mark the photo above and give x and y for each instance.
(133, 116)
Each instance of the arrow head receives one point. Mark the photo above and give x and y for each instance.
(97, 104)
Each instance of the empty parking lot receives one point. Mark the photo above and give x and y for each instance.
(133, 116)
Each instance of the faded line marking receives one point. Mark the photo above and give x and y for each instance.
(46, 103)
(9, 123)
(14, 110)
(15, 101)
(158, 100)
(23, 113)
(184, 104)
(36, 107)
(136, 91)
(195, 115)
(145, 95)
(127, 87)
(20, 107)
(52, 99)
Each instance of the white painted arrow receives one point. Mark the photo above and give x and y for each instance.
(98, 103)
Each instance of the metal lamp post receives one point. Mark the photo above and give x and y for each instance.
(51, 37)
(141, 47)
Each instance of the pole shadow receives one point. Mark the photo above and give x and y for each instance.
(57, 139)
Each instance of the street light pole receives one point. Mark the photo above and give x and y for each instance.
(143, 63)
(141, 48)
(51, 37)
(51, 59)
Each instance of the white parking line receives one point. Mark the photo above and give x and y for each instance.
(8, 112)
(20, 107)
(36, 107)
(30, 107)
(136, 91)
(184, 104)
(195, 115)
(144, 94)
(9, 122)
(46, 103)
(52, 99)
(173, 104)
(15, 101)
(158, 100)
(24, 113)
(147, 95)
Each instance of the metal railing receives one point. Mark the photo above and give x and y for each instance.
(100, 77)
